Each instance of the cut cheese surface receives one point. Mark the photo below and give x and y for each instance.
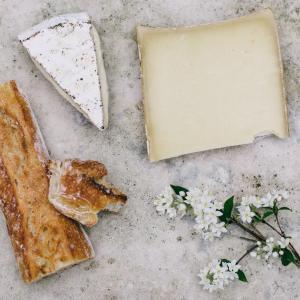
(67, 51)
(211, 86)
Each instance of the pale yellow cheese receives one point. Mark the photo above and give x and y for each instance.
(211, 86)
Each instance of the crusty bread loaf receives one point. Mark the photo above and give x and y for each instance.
(43, 239)
(78, 190)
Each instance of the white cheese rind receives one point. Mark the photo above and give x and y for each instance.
(212, 85)
(67, 18)
(67, 51)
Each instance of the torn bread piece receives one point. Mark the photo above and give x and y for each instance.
(212, 86)
(43, 239)
(79, 191)
(67, 50)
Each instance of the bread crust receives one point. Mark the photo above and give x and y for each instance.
(79, 191)
(44, 240)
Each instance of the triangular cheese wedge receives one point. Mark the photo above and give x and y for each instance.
(66, 49)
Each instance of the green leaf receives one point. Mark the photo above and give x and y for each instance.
(267, 214)
(177, 189)
(256, 219)
(287, 257)
(284, 208)
(242, 276)
(228, 206)
(223, 218)
(224, 260)
(257, 214)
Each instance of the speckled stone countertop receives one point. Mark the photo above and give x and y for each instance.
(140, 255)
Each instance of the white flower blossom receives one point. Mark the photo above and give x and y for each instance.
(164, 201)
(246, 214)
(171, 212)
(169, 203)
(218, 274)
(182, 194)
(248, 203)
(269, 199)
(207, 212)
(270, 248)
(251, 200)
(256, 201)
(283, 242)
(233, 268)
(281, 195)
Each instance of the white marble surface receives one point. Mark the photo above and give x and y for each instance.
(139, 254)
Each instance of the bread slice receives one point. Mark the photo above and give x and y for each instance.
(67, 51)
(44, 240)
(79, 191)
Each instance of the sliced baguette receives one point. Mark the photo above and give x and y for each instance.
(79, 191)
(44, 240)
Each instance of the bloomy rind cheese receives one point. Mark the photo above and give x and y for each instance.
(67, 50)
(62, 19)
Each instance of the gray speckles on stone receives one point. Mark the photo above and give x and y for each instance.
(140, 255)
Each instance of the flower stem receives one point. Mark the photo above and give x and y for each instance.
(253, 233)
(247, 252)
(257, 231)
(246, 239)
(279, 226)
(272, 227)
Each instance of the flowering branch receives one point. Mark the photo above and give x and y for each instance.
(282, 234)
(247, 253)
(212, 218)
(272, 227)
(253, 233)
(277, 221)
(247, 239)
(256, 230)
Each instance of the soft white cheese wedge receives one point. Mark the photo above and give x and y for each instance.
(212, 86)
(67, 50)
